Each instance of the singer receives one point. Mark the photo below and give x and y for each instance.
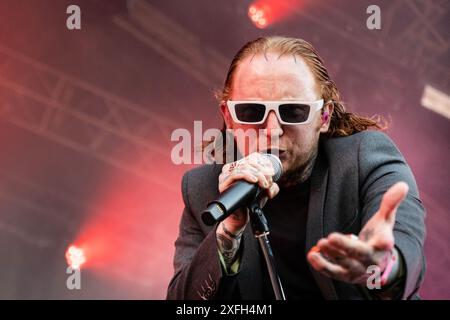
(345, 218)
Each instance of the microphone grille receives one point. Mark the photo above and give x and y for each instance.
(276, 163)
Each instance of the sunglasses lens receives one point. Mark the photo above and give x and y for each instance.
(250, 112)
(294, 112)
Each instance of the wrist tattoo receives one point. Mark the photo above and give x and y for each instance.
(232, 235)
(228, 244)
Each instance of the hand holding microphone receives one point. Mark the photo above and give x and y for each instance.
(239, 183)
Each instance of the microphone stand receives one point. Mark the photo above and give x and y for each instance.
(261, 232)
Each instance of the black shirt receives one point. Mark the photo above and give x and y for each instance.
(287, 215)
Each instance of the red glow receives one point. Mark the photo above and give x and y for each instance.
(131, 225)
(75, 257)
(266, 12)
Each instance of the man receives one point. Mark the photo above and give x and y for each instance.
(346, 206)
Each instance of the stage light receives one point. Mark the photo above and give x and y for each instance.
(75, 257)
(259, 14)
(264, 13)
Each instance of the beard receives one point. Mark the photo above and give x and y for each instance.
(301, 170)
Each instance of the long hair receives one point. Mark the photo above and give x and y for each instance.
(342, 123)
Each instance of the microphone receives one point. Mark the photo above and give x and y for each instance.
(239, 194)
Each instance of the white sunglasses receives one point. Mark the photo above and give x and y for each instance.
(288, 112)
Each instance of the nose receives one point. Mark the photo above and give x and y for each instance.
(272, 125)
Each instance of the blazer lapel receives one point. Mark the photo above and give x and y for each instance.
(250, 278)
(314, 224)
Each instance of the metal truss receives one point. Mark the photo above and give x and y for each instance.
(154, 29)
(83, 117)
(419, 45)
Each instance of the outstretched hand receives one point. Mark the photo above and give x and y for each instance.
(347, 257)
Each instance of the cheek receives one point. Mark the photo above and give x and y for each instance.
(300, 140)
(301, 135)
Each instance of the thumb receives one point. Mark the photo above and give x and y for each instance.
(391, 200)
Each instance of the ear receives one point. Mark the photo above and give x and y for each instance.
(327, 112)
(226, 115)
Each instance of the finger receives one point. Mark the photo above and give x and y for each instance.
(273, 190)
(268, 172)
(223, 176)
(391, 200)
(325, 267)
(226, 171)
(355, 268)
(262, 164)
(244, 164)
(331, 251)
(355, 249)
(264, 179)
(247, 169)
(264, 182)
(261, 160)
(242, 175)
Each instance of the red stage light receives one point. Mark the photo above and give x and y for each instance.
(75, 257)
(266, 12)
(259, 15)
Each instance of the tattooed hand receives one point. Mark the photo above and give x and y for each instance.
(255, 168)
(347, 258)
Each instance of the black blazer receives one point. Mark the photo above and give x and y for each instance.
(350, 176)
